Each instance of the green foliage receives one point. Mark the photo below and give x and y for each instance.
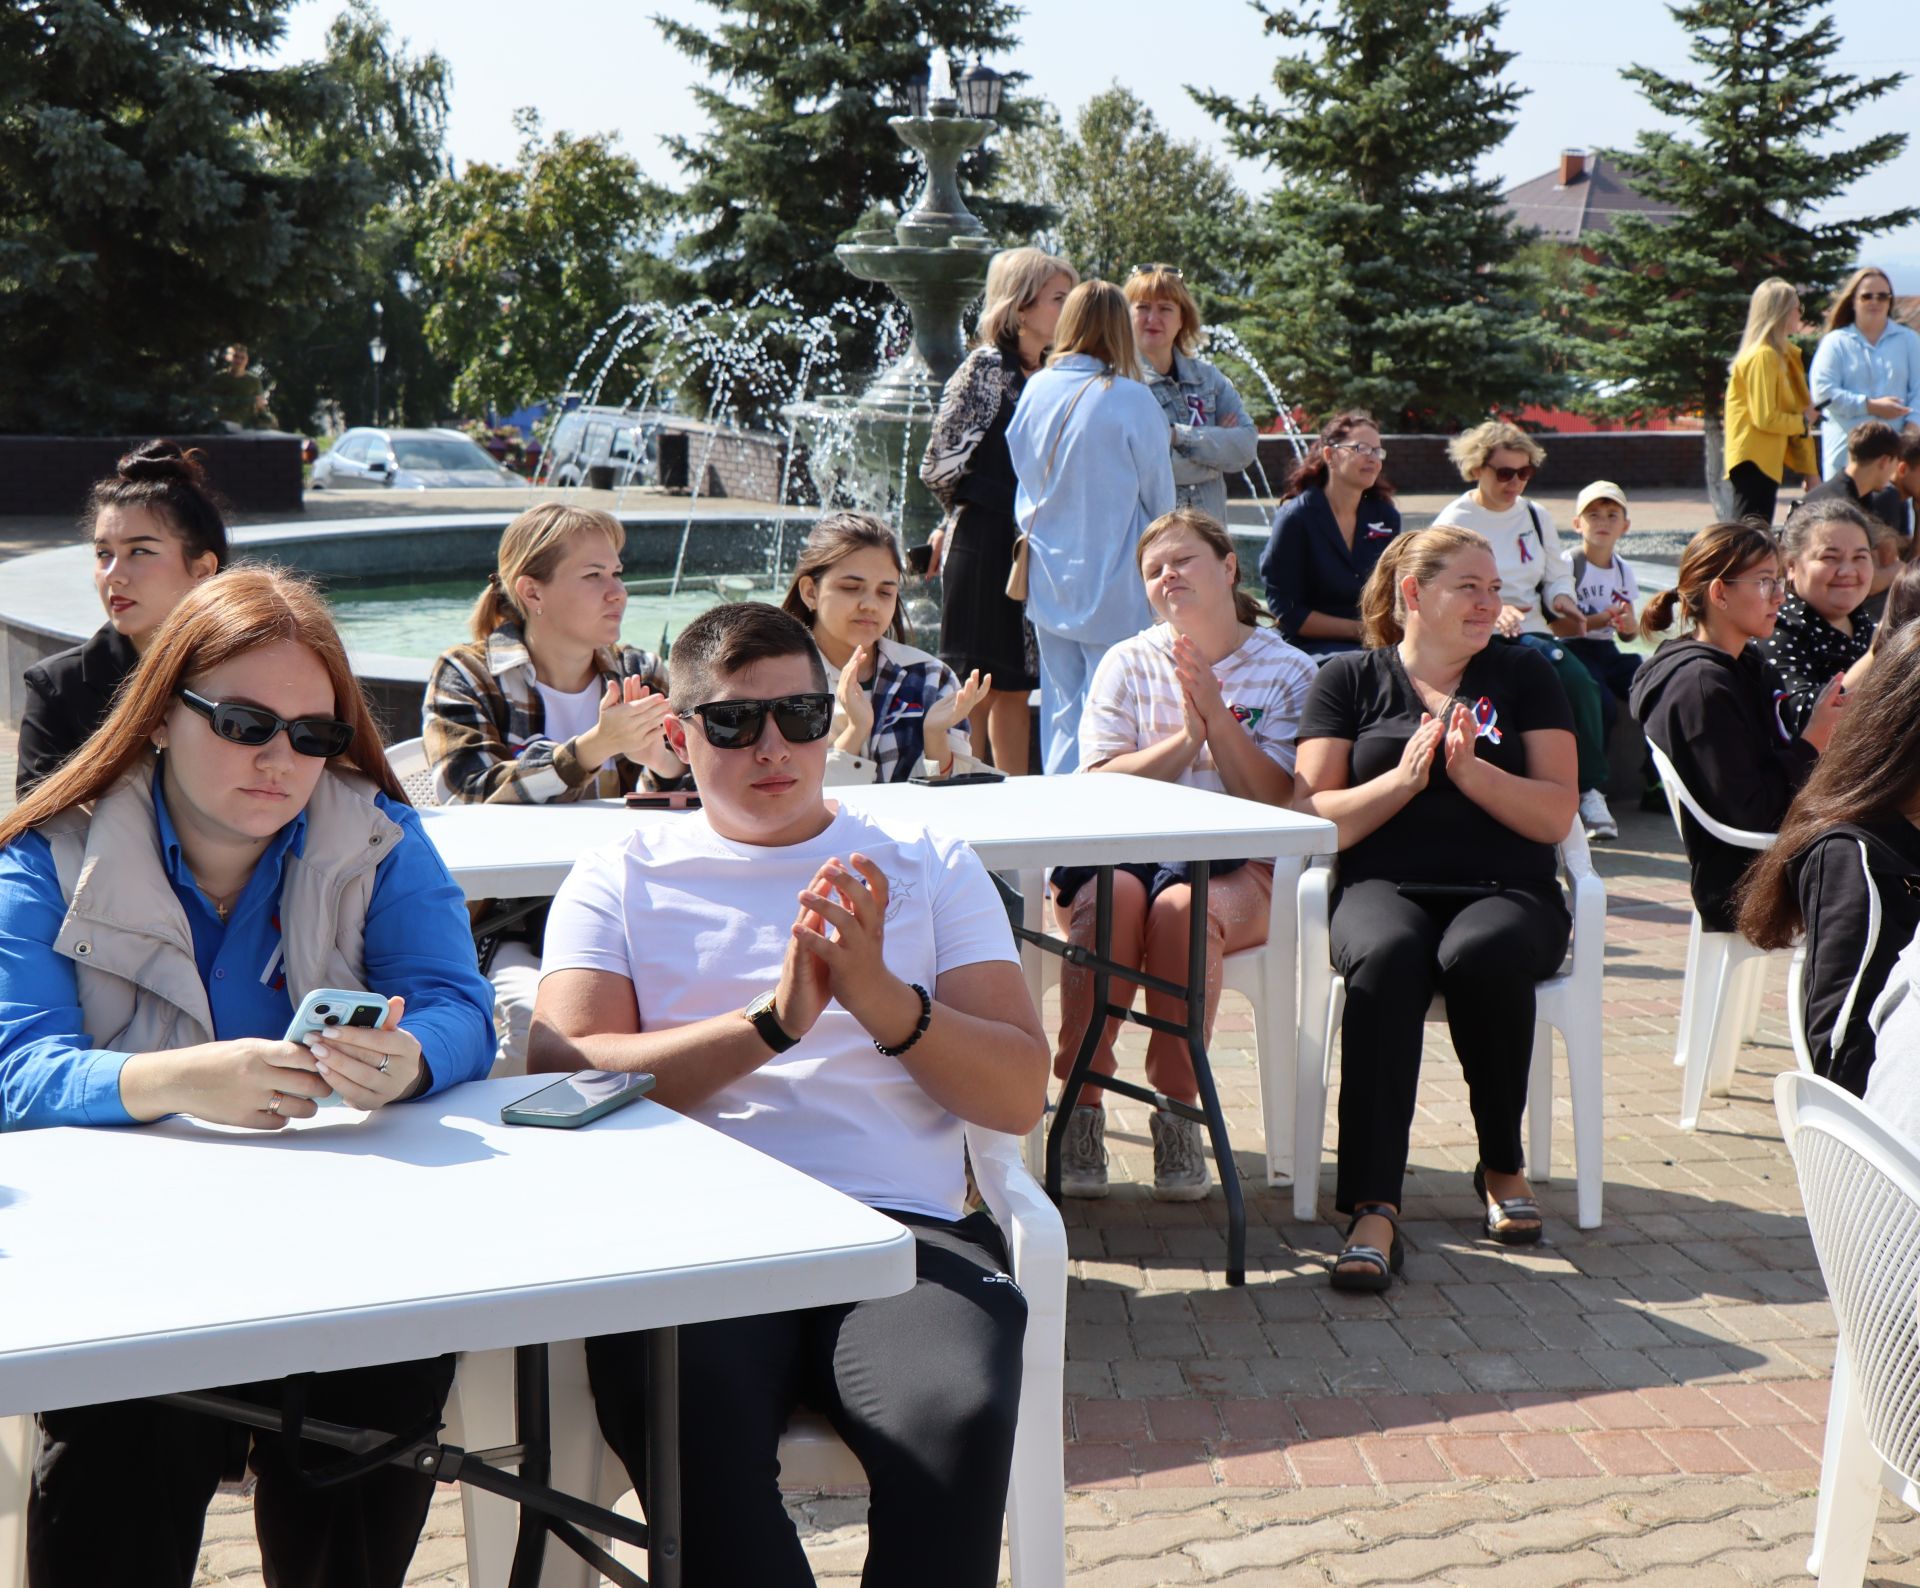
(521, 263)
(1668, 303)
(392, 122)
(1121, 193)
(1385, 274)
(799, 145)
(148, 211)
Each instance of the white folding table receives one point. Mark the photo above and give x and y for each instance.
(1020, 825)
(171, 1257)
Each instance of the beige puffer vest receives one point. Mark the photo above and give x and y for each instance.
(127, 933)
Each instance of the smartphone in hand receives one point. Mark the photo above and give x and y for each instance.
(327, 1007)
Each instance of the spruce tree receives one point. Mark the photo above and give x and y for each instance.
(799, 147)
(1385, 274)
(1664, 309)
(146, 216)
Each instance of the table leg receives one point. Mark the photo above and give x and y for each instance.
(1197, 876)
(663, 1458)
(533, 1425)
(1090, 1038)
(1280, 1042)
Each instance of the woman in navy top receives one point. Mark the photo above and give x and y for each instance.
(1331, 527)
(229, 840)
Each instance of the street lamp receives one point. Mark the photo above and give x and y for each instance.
(377, 351)
(980, 89)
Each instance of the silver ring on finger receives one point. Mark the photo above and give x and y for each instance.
(386, 1064)
(273, 1102)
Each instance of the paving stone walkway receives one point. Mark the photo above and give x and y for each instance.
(1644, 1401)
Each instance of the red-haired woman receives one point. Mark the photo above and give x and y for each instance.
(1328, 532)
(228, 841)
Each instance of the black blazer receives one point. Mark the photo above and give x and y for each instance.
(68, 696)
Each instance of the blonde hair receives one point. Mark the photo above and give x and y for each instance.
(1208, 530)
(1162, 284)
(1015, 280)
(1773, 302)
(1842, 311)
(1097, 322)
(1425, 554)
(531, 547)
(1471, 449)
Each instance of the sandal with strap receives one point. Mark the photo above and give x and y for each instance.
(1502, 1219)
(1380, 1266)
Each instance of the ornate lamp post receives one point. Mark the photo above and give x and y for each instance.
(377, 351)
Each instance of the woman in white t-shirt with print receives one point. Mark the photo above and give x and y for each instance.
(1208, 698)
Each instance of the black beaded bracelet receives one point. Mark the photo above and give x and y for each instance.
(919, 1031)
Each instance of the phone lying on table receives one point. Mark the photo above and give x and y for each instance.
(678, 799)
(327, 1007)
(958, 780)
(577, 1099)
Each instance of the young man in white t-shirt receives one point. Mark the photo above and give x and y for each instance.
(841, 994)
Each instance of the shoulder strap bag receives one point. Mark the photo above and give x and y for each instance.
(1017, 573)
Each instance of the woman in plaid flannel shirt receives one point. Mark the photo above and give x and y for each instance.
(896, 705)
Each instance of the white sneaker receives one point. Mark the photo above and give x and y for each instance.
(1083, 1154)
(1595, 817)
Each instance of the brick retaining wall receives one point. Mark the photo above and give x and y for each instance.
(256, 471)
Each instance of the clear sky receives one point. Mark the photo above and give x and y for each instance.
(592, 66)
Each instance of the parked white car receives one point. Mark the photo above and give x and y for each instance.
(407, 460)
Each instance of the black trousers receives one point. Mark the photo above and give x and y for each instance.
(1754, 494)
(1485, 955)
(120, 1491)
(924, 1387)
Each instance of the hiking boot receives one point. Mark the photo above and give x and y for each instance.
(1083, 1154)
(1595, 817)
(1179, 1158)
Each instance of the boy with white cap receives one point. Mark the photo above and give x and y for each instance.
(1607, 594)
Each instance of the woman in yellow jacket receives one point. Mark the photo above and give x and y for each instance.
(1770, 414)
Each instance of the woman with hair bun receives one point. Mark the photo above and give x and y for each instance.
(968, 468)
(1331, 526)
(1717, 709)
(1448, 766)
(157, 531)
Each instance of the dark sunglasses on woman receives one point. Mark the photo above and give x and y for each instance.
(1506, 476)
(320, 737)
(737, 724)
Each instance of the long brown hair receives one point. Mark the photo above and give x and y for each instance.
(531, 547)
(1718, 552)
(1313, 469)
(835, 537)
(1842, 312)
(1424, 553)
(232, 614)
(1097, 321)
(1870, 768)
(1207, 530)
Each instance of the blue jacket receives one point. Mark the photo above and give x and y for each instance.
(1848, 369)
(1111, 475)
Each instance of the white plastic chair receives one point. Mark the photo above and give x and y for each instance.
(1260, 974)
(17, 1439)
(1726, 975)
(1568, 1003)
(409, 761)
(1860, 1182)
(480, 1410)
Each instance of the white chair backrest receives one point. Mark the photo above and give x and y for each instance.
(1679, 795)
(1860, 1182)
(409, 761)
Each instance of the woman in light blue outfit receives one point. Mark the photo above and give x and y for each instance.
(1092, 452)
(1867, 366)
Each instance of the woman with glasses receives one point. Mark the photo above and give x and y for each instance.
(1212, 435)
(157, 531)
(1538, 606)
(230, 840)
(900, 712)
(968, 468)
(545, 705)
(1867, 366)
(1331, 526)
(1770, 416)
(1713, 706)
(1821, 633)
(1091, 454)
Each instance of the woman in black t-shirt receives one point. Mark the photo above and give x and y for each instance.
(1449, 769)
